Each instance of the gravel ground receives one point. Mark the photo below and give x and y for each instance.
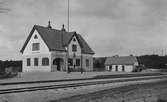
(148, 92)
(68, 82)
(63, 94)
(42, 76)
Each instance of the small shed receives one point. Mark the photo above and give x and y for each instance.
(121, 63)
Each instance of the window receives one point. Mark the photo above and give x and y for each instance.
(28, 61)
(35, 37)
(74, 48)
(45, 61)
(116, 68)
(74, 40)
(35, 46)
(110, 68)
(87, 63)
(77, 62)
(123, 68)
(70, 62)
(35, 61)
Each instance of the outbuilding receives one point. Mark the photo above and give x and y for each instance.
(121, 63)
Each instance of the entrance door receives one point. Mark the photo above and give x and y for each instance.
(58, 62)
(58, 65)
(110, 68)
(123, 68)
(116, 68)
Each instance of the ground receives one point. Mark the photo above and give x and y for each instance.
(149, 92)
(114, 92)
(41, 76)
(93, 93)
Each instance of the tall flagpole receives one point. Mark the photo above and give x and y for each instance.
(68, 17)
(68, 24)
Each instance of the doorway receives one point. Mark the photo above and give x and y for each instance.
(58, 62)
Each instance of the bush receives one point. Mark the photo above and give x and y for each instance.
(161, 100)
(8, 75)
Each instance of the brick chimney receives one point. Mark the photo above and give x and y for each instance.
(63, 29)
(49, 25)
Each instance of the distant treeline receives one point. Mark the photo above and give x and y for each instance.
(153, 61)
(98, 63)
(17, 65)
(148, 61)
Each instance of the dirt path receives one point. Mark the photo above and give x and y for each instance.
(150, 92)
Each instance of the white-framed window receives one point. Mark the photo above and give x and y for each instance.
(45, 61)
(74, 39)
(35, 46)
(35, 37)
(77, 62)
(28, 62)
(74, 48)
(116, 68)
(70, 61)
(35, 61)
(123, 68)
(87, 62)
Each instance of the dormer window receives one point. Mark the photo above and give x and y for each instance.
(35, 37)
(35, 46)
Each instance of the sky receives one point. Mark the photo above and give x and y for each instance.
(111, 27)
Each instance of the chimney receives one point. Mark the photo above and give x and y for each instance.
(63, 29)
(49, 25)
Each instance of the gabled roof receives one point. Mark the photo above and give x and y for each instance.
(121, 60)
(56, 40)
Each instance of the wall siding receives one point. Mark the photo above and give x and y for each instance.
(44, 52)
(40, 67)
(90, 58)
(128, 68)
(70, 52)
(43, 47)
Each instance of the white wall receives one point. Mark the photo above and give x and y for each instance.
(78, 52)
(40, 67)
(42, 52)
(43, 47)
(90, 58)
(128, 68)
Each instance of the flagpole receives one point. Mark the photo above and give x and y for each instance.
(68, 17)
(68, 24)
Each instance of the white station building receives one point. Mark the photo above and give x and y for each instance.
(47, 49)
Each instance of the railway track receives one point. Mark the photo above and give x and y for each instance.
(92, 78)
(80, 84)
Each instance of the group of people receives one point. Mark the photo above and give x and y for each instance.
(69, 69)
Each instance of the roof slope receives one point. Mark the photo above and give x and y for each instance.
(57, 39)
(121, 60)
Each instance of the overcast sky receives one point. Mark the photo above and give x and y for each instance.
(109, 26)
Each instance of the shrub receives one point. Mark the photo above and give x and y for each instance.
(161, 100)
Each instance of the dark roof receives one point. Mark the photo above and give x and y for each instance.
(56, 40)
(121, 60)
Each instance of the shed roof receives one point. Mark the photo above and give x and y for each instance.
(121, 60)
